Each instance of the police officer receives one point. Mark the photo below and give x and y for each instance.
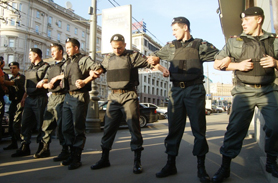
(16, 91)
(78, 81)
(187, 96)
(53, 114)
(254, 55)
(123, 101)
(34, 102)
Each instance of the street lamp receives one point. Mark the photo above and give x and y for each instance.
(92, 120)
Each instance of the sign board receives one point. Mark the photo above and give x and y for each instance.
(116, 21)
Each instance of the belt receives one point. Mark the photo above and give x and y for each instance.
(121, 91)
(184, 84)
(58, 93)
(75, 92)
(252, 85)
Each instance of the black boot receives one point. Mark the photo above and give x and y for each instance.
(137, 168)
(24, 150)
(39, 148)
(224, 170)
(271, 165)
(169, 168)
(104, 161)
(76, 162)
(69, 160)
(45, 152)
(63, 155)
(202, 173)
(13, 145)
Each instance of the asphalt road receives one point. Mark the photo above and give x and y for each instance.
(245, 168)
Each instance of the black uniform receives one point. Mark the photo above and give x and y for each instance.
(123, 101)
(187, 96)
(35, 102)
(53, 113)
(76, 100)
(16, 93)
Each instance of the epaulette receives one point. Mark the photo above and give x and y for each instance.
(238, 38)
(204, 42)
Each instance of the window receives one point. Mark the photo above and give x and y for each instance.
(20, 7)
(68, 27)
(82, 46)
(50, 20)
(59, 37)
(145, 88)
(152, 81)
(11, 42)
(145, 79)
(98, 40)
(12, 22)
(49, 33)
(14, 5)
(38, 14)
(10, 58)
(37, 29)
(47, 52)
(75, 31)
(83, 34)
(59, 23)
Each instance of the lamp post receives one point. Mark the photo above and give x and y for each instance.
(92, 120)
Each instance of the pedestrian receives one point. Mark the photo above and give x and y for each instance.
(254, 55)
(187, 96)
(34, 102)
(16, 91)
(53, 81)
(78, 79)
(123, 102)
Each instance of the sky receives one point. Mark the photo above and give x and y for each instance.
(158, 15)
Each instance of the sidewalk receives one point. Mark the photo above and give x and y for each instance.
(246, 168)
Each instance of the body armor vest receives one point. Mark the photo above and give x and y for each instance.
(255, 50)
(73, 73)
(120, 72)
(55, 70)
(32, 80)
(186, 64)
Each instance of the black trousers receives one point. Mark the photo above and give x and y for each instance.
(15, 116)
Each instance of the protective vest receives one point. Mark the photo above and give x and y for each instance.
(255, 50)
(186, 64)
(16, 93)
(32, 79)
(120, 72)
(55, 70)
(73, 73)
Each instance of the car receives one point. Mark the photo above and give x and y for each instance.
(216, 109)
(208, 111)
(162, 111)
(147, 115)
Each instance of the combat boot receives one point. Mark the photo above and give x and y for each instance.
(169, 168)
(202, 173)
(39, 148)
(69, 160)
(45, 152)
(271, 165)
(76, 161)
(63, 155)
(13, 145)
(24, 150)
(104, 161)
(137, 168)
(224, 170)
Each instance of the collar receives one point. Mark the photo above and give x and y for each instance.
(187, 41)
(262, 37)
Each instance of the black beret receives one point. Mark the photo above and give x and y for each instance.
(36, 50)
(181, 20)
(14, 63)
(117, 37)
(253, 11)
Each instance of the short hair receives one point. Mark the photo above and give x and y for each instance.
(74, 42)
(181, 21)
(37, 51)
(60, 47)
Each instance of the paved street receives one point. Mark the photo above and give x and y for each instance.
(246, 168)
